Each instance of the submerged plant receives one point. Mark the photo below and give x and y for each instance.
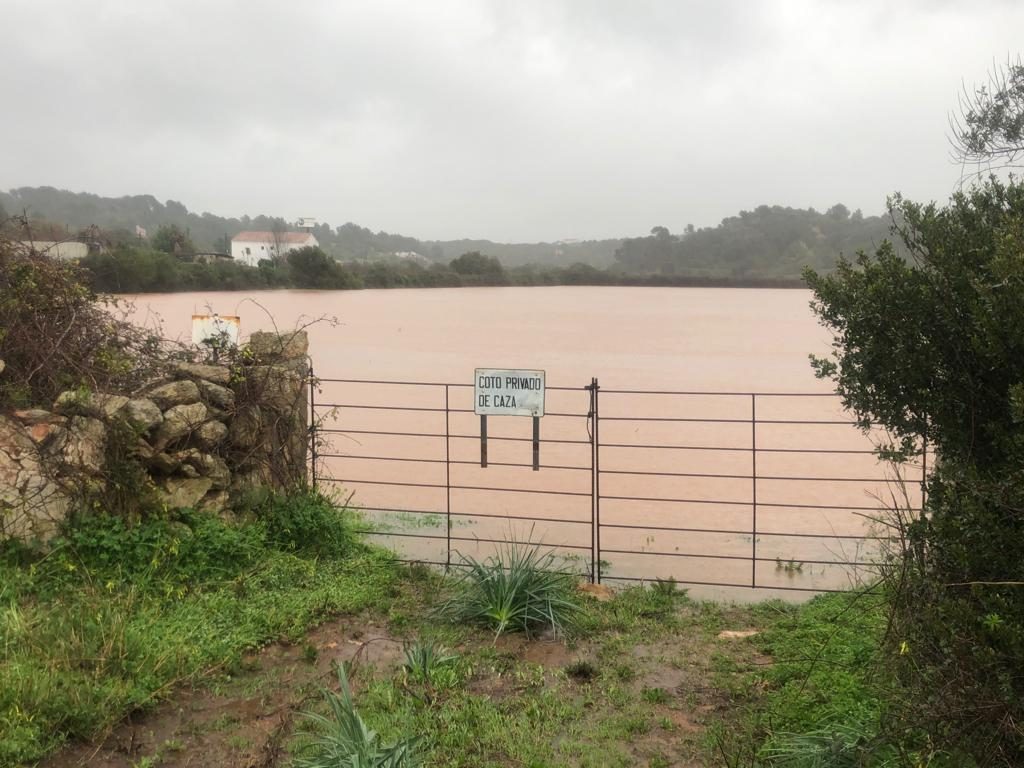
(517, 589)
(343, 740)
(667, 587)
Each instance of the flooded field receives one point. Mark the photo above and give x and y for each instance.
(721, 461)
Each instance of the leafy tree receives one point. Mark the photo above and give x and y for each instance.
(838, 211)
(311, 267)
(477, 265)
(173, 240)
(990, 128)
(933, 347)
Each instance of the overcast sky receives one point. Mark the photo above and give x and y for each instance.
(520, 120)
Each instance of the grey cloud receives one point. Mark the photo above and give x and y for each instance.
(518, 121)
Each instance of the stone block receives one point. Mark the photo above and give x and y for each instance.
(218, 374)
(287, 346)
(84, 444)
(174, 393)
(246, 428)
(32, 504)
(211, 434)
(46, 433)
(216, 395)
(164, 463)
(142, 413)
(215, 502)
(184, 492)
(179, 422)
(31, 416)
(96, 404)
(277, 387)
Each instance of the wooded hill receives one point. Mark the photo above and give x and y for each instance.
(769, 242)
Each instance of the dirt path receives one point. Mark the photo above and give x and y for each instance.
(675, 684)
(243, 720)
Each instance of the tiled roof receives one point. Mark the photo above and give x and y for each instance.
(271, 237)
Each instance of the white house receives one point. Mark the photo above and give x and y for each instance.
(250, 247)
(65, 250)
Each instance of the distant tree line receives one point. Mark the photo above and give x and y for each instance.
(765, 246)
(768, 242)
(133, 269)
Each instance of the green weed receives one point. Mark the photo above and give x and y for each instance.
(341, 738)
(667, 588)
(582, 671)
(310, 653)
(430, 664)
(655, 695)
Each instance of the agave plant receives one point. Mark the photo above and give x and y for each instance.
(424, 660)
(342, 740)
(517, 589)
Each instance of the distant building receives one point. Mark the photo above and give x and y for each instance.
(210, 257)
(66, 250)
(250, 247)
(411, 256)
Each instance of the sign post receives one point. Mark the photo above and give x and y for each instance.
(508, 392)
(215, 332)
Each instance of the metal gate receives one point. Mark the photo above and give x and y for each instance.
(737, 490)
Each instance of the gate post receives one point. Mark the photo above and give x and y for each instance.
(924, 473)
(753, 490)
(312, 423)
(447, 483)
(595, 483)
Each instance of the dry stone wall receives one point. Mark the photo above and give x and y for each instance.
(201, 437)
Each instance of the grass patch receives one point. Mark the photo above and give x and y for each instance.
(825, 655)
(112, 620)
(821, 700)
(596, 711)
(114, 617)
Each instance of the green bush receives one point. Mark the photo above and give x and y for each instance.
(154, 554)
(195, 547)
(837, 743)
(932, 349)
(56, 334)
(308, 521)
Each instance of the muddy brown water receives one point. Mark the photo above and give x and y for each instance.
(639, 342)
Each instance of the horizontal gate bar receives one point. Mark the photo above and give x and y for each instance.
(669, 520)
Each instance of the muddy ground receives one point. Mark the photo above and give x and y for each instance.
(247, 719)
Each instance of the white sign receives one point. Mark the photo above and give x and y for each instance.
(501, 392)
(219, 330)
